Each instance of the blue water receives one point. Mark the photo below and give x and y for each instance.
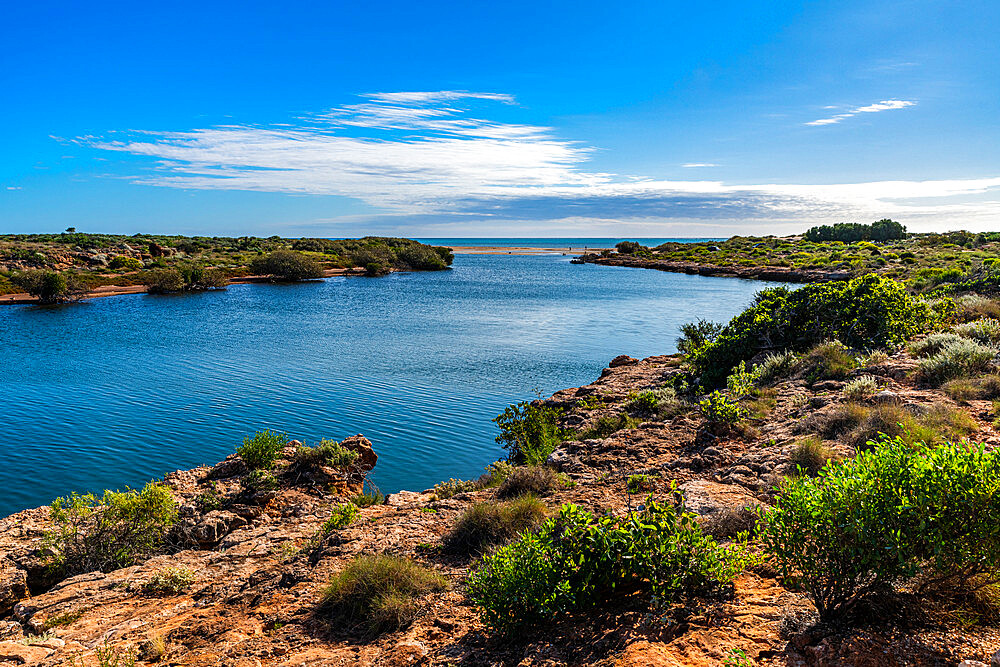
(577, 243)
(119, 390)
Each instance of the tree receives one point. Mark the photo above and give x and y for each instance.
(50, 287)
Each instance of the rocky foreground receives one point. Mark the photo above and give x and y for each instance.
(259, 569)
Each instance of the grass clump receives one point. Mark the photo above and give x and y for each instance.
(775, 366)
(489, 524)
(962, 358)
(867, 524)
(640, 484)
(378, 593)
(810, 455)
(169, 581)
(258, 481)
(986, 387)
(327, 453)
(577, 561)
(830, 360)
(110, 531)
(531, 480)
(974, 307)
(528, 432)
(262, 450)
(608, 425)
(933, 344)
(985, 331)
(861, 388)
(730, 522)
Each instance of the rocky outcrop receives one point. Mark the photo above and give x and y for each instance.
(770, 273)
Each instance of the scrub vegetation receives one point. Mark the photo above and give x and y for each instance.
(62, 267)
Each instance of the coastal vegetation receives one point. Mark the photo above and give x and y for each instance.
(63, 267)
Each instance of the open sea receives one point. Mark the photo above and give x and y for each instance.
(116, 391)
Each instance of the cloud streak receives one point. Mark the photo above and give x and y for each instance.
(423, 155)
(884, 105)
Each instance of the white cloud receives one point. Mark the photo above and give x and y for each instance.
(429, 158)
(695, 165)
(884, 105)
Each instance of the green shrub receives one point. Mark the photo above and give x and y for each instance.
(866, 524)
(933, 344)
(644, 403)
(258, 481)
(640, 484)
(863, 313)
(262, 450)
(169, 581)
(528, 432)
(577, 560)
(379, 593)
(696, 335)
(287, 265)
(327, 453)
(125, 262)
(985, 331)
(489, 524)
(50, 287)
(810, 455)
(495, 474)
(719, 411)
(453, 487)
(531, 480)
(741, 382)
(827, 361)
(107, 532)
(964, 358)
(774, 366)
(861, 388)
(184, 279)
(607, 425)
(341, 516)
(164, 281)
(369, 496)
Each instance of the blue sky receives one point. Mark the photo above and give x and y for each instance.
(498, 119)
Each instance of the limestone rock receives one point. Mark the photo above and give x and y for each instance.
(13, 586)
(21, 654)
(623, 360)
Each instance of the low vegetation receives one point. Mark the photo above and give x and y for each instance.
(529, 432)
(577, 561)
(262, 449)
(109, 531)
(488, 524)
(866, 525)
(169, 581)
(529, 480)
(378, 593)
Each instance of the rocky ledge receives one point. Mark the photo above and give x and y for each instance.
(260, 562)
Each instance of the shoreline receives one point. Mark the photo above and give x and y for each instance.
(25, 299)
(768, 273)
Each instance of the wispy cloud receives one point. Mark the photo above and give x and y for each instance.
(695, 165)
(423, 156)
(884, 105)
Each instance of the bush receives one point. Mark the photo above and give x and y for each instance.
(107, 532)
(933, 344)
(528, 432)
(868, 523)
(774, 366)
(963, 358)
(50, 287)
(719, 411)
(810, 455)
(985, 331)
(489, 524)
(453, 487)
(327, 453)
(863, 313)
(287, 265)
(533, 480)
(125, 262)
(169, 581)
(696, 335)
(341, 516)
(258, 481)
(644, 403)
(607, 425)
(827, 361)
(262, 450)
(630, 248)
(378, 593)
(974, 307)
(640, 484)
(184, 279)
(577, 560)
(861, 388)
(730, 522)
